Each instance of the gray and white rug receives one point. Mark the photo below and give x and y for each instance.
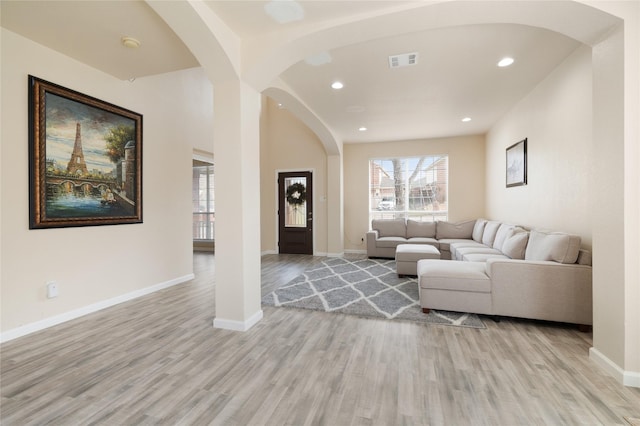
(364, 287)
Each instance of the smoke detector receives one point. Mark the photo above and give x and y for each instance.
(403, 60)
(130, 42)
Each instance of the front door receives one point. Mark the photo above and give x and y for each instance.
(295, 213)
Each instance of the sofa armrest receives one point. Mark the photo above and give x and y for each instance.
(543, 290)
(371, 237)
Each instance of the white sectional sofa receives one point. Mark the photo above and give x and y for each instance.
(387, 234)
(496, 268)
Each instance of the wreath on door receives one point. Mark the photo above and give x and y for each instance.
(296, 194)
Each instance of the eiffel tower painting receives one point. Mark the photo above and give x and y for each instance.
(76, 163)
(95, 179)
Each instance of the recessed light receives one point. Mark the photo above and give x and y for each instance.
(337, 85)
(362, 129)
(130, 42)
(466, 119)
(505, 62)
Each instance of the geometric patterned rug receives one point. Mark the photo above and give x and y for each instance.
(364, 287)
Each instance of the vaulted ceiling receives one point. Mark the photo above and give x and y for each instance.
(455, 74)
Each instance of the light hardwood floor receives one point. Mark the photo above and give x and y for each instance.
(158, 360)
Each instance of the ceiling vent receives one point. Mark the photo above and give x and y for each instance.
(403, 60)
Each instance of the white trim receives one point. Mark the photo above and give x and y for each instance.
(631, 379)
(627, 378)
(202, 156)
(89, 309)
(354, 251)
(262, 253)
(233, 325)
(335, 254)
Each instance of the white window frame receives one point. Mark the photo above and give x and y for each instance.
(427, 202)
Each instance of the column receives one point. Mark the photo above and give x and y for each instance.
(236, 149)
(335, 211)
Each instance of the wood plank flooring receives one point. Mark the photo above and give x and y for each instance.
(157, 360)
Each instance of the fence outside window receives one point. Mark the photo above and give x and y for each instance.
(204, 216)
(204, 226)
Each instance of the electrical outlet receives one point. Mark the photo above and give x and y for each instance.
(52, 289)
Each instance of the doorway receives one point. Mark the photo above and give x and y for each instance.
(295, 212)
(204, 215)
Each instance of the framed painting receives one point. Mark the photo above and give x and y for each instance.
(517, 164)
(85, 159)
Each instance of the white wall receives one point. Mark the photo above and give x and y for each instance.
(556, 118)
(466, 179)
(96, 264)
(287, 144)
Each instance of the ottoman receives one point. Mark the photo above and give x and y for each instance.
(451, 285)
(407, 256)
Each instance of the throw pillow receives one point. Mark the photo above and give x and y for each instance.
(489, 234)
(584, 257)
(390, 227)
(421, 229)
(478, 229)
(515, 246)
(459, 230)
(504, 232)
(555, 246)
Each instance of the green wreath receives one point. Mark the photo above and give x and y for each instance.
(296, 194)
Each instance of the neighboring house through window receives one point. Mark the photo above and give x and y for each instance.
(410, 187)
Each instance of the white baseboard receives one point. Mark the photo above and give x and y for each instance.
(89, 309)
(325, 254)
(335, 254)
(354, 251)
(238, 325)
(627, 378)
(318, 253)
(631, 379)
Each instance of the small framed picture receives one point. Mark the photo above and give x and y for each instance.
(517, 164)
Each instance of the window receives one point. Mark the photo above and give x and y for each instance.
(203, 202)
(412, 187)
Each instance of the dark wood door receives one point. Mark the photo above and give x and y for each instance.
(295, 212)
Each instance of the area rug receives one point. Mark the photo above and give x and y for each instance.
(364, 287)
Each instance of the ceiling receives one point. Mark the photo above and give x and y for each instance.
(456, 75)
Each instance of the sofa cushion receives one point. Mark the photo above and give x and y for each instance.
(478, 229)
(555, 246)
(516, 245)
(445, 244)
(390, 241)
(504, 231)
(453, 247)
(461, 252)
(482, 257)
(458, 230)
(420, 240)
(453, 276)
(421, 229)
(490, 231)
(390, 227)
